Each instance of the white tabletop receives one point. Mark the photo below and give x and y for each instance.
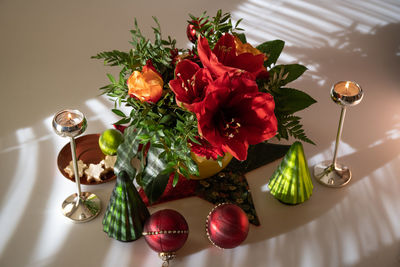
(45, 65)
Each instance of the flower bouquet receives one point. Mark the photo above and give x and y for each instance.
(219, 96)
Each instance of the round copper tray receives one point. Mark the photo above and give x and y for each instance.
(87, 150)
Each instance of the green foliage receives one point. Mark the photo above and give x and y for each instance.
(158, 51)
(288, 100)
(213, 28)
(289, 125)
(288, 73)
(272, 49)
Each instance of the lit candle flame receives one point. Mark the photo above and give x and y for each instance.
(347, 85)
(69, 116)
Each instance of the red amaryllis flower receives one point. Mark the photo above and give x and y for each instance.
(223, 58)
(235, 115)
(205, 149)
(190, 84)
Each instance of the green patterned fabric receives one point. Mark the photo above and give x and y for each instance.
(126, 152)
(126, 213)
(291, 182)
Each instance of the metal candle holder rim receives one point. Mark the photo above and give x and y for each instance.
(347, 100)
(69, 131)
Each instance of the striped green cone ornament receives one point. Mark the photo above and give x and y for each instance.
(291, 182)
(126, 213)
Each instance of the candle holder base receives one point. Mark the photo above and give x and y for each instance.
(81, 209)
(332, 175)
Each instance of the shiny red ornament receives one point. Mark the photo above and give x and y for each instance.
(193, 29)
(166, 231)
(191, 32)
(227, 226)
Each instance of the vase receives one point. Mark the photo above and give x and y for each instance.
(209, 167)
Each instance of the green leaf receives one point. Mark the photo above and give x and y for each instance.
(176, 179)
(123, 121)
(272, 49)
(192, 166)
(242, 37)
(289, 101)
(111, 78)
(118, 112)
(290, 72)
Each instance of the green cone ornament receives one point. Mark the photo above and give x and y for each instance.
(291, 181)
(126, 213)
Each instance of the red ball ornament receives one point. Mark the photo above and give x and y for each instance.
(191, 32)
(193, 29)
(227, 225)
(166, 231)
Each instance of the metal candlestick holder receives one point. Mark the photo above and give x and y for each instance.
(331, 173)
(81, 206)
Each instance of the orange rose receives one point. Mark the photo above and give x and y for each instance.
(247, 48)
(146, 85)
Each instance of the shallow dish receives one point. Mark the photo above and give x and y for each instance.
(87, 150)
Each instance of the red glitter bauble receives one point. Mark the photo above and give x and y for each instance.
(166, 231)
(227, 226)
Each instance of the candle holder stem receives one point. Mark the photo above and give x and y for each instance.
(75, 164)
(80, 207)
(339, 135)
(331, 173)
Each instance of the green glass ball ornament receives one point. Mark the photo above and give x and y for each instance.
(126, 213)
(291, 182)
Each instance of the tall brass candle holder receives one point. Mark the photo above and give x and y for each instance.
(81, 206)
(331, 173)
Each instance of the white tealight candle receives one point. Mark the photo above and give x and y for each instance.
(68, 118)
(347, 88)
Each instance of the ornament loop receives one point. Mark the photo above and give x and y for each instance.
(166, 257)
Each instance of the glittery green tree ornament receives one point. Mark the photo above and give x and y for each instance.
(291, 182)
(126, 212)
